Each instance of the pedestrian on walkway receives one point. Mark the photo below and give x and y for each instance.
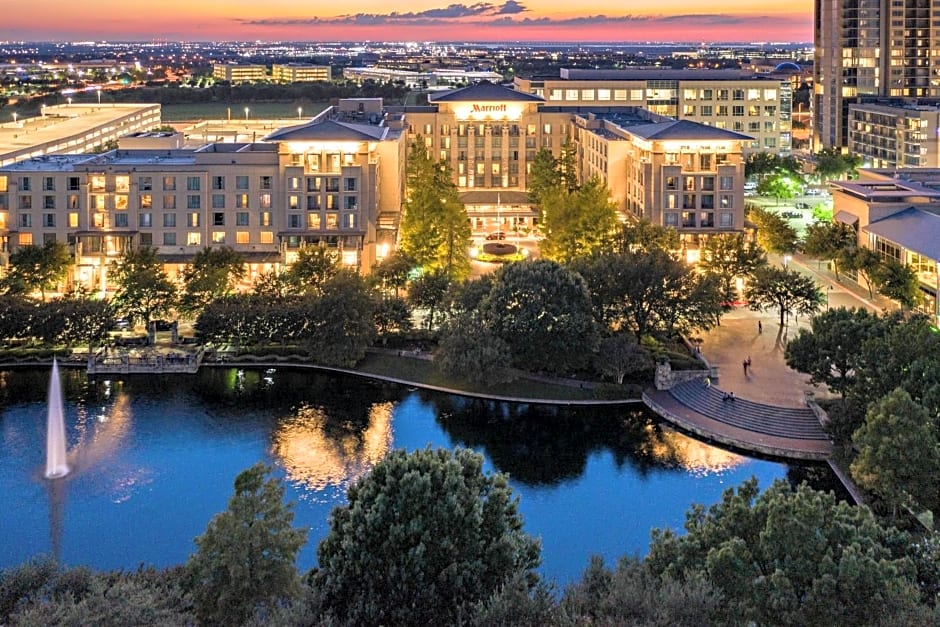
(748, 360)
(745, 367)
(760, 327)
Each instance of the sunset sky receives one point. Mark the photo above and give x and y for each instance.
(416, 20)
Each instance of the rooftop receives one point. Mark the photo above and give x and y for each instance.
(483, 91)
(646, 74)
(915, 229)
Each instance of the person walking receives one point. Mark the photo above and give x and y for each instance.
(760, 327)
(745, 367)
(748, 362)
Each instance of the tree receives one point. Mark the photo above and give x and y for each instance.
(761, 164)
(314, 266)
(780, 186)
(899, 282)
(650, 292)
(468, 349)
(828, 241)
(791, 557)
(898, 454)
(434, 230)
(213, 273)
(245, 559)
(619, 355)
(423, 536)
(391, 274)
(786, 290)
(543, 312)
(37, 268)
(831, 163)
(144, 291)
(831, 351)
(644, 235)
(544, 177)
(578, 224)
(774, 234)
(392, 315)
(729, 257)
(864, 261)
(340, 322)
(428, 292)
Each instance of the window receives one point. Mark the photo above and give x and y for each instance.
(707, 201)
(707, 219)
(737, 111)
(122, 184)
(26, 185)
(169, 183)
(48, 202)
(169, 239)
(241, 237)
(48, 184)
(98, 202)
(706, 111)
(265, 182)
(26, 202)
(726, 201)
(350, 184)
(25, 239)
(218, 201)
(293, 183)
(218, 218)
(314, 183)
(192, 219)
(73, 220)
(218, 182)
(169, 201)
(218, 237)
(120, 220)
(48, 220)
(293, 221)
(266, 237)
(145, 220)
(349, 220)
(351, 202)
(73, 201)
(313, 221)
(241, 182)
(331, 221)
(193, 202)
(241, 201)
(293, 202)
(146, 201)
(672, 219)
(193, 238)
(726, 219)
(265, 218)
(73, 184)
(265, 201)
(672, 182)
(120, 202)
(737, 94)
(169, 220)
(192, 183)
(688, 218)
(146, 240)
(26, 220)
(145, 183)
(241, 218)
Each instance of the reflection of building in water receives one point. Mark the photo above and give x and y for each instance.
(700, 458)
(317, 454)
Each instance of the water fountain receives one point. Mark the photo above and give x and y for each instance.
(56, 465)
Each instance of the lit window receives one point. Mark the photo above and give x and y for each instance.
(193, 239)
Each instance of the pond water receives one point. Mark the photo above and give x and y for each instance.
(154, 458)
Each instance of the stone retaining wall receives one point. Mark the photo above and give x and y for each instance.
(665, 377)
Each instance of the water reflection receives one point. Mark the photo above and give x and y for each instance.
(318, 451)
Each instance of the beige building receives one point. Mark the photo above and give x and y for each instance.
(757, 105)
(897, 214)
(300, 73)
(73, 128)
(239, 73)
(317, 183)
(894, 135)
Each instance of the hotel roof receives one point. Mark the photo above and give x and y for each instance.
(329, 130)
(484, 91)
(914, 229)
(640, 74)
(684, 129)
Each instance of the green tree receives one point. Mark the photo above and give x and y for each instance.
(392, 315)
(786, 290)
(544, 177)
(144, 291)
(831, 350)
(728, 257)
(37, 268)
(619, 355)
(762, 164)
(832, 163)
(865, 262)
(646, 236)
(391, 274)
(774, 234)
(245, 559)
(780, 186)
(341, 321)
(578, 224)
(213, 273)
(899, 454)
(428, 292)
(898, 281)
(423, 536)
(314, 266)
(791, 557)
(543, 312)
(470, 350)
(829, 241)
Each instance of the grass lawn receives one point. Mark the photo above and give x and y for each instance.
(423, 371)
(257, 110)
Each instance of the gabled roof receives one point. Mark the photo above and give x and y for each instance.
(329, 130)
(683, 129)
(484, 91)
(914, 229)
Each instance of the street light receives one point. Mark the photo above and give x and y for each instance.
(246, 113)
(14, 118)
(98, 91)
(300, 112)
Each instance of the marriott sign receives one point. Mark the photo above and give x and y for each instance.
(488, 108)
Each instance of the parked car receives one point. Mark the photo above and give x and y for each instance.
(496, 235)
(121, 324)
(792, 214)
(802, 205)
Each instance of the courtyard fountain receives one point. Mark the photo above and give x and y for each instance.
(56, 465)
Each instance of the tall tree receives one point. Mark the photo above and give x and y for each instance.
(428, 292)
(898, 281)
(578, 224)
(785, 290)
(729, 257)
(899, 454)
(213, 273)
(543, 178)
(470, 350)
(144, 291)
(37, 268)
(340, 322)
(828, 241)
(774, 234)
(245, 559)
(314, 266)
(644, 235)
(865, 262)
(832, 163)
(423, 536)
(779, 186)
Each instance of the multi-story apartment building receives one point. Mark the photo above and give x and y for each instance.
(897, 214)
(871, 49)
(73, 128)
(894, 134)
(675, 173)
(317, 183)
(239, 73)
(300, 73)
(757, 105)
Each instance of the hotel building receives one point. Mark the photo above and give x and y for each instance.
(317, 183)
(757, 105)
(894, 134)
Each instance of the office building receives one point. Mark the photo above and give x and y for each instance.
(239, 73)
(757, 105)
(871, 49)
(300, 73)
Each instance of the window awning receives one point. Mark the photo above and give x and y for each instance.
(845, 217)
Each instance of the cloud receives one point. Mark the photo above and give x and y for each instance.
(429, 16)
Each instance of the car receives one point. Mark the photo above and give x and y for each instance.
(121, 324)
(802, 205)
(496, 235)
(792, 214)
(812, 191)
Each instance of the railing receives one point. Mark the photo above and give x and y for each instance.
(147, 362)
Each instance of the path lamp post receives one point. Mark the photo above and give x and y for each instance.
(246, 113)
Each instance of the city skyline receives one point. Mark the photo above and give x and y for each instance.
(424, 20)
